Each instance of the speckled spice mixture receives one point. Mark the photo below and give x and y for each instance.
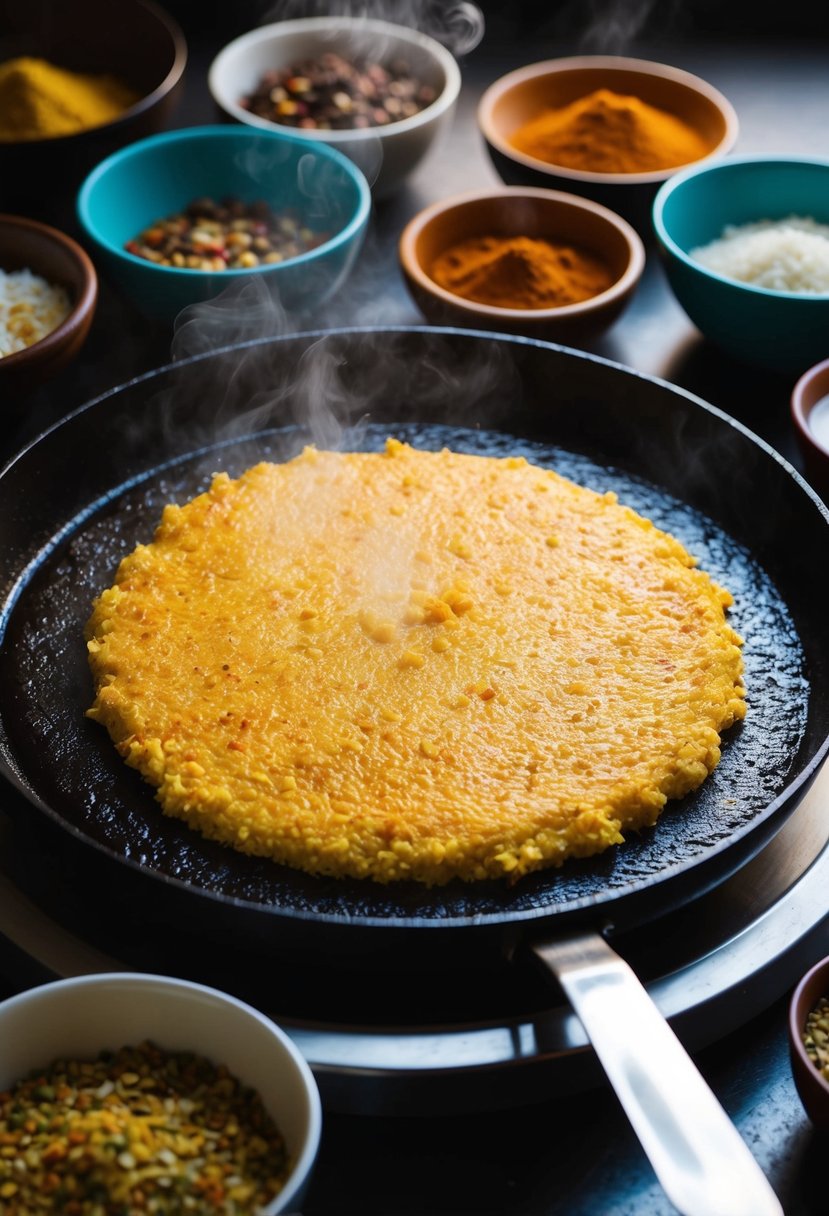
(414, 665)
(816, 1037)
(137, 1131)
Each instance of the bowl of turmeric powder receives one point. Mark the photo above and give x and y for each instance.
(522, 260)
(75, 88)
(606, 127)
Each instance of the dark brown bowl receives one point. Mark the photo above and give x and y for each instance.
(521, 95)
(811, 1085)
(518, 211)
(29, 245)
(810, 389)
(135, 40)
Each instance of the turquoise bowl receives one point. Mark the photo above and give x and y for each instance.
(160, 176)
(781, 330)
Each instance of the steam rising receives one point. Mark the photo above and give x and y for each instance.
(326, 387)
(458, 24)
(609, 27)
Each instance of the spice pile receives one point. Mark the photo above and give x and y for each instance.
(142, 1130)
(333, 94)
(40, 101)
(791, 254)
(607, 132)
(816, 1036)
(30, 308)
(520, 272)
(231, 235)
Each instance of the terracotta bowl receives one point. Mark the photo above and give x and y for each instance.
(141, 44)
(522, 211)
(30, 245)
(811, 1085)
(813, 431)
(520, 96)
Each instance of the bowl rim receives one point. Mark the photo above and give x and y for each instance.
(645, 67)
(312, 25)
(81, 309)
(153, 981)
(795, 1027)
(727, 164)
(626, 281)
(165, 86)
(799, 412)
(357, 221)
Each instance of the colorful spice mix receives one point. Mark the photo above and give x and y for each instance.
(140, 1130)
(334, 94)
(230, 235)
(816, 1036)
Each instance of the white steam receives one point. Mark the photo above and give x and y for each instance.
(609, 27)
(457, 24)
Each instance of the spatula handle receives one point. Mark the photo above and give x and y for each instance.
(696, 1151)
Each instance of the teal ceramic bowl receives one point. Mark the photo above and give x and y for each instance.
(781, 330)
(160, 176)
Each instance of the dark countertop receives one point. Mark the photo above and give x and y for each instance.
(569, 1155)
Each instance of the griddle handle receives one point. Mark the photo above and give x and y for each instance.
(696, 1151)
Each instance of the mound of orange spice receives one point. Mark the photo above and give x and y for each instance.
(607, 132)
(520, 272)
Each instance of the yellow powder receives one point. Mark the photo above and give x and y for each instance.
(39, 100)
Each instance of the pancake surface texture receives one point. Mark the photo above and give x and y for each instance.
(414, 665)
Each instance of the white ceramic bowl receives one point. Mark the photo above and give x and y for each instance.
(77, 1018)
(386, 155)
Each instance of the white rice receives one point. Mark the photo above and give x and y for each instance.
(30, 308)
(791, 254)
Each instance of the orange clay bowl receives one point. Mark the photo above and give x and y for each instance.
(522, 95)
(540, 214)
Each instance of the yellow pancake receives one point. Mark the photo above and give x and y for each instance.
(414, 665)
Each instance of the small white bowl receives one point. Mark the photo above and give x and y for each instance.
(386, 155)
(77, 1018)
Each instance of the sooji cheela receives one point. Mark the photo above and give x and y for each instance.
(414, 665)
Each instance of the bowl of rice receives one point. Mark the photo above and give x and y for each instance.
(745, 243)
(48, 293)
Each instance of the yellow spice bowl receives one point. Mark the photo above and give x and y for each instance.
(522, 212)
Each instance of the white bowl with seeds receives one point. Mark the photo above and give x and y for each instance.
(419, 66)
(163, 1094)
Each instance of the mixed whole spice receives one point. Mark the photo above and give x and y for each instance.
(816, 1036)
(140, 1130)
(332, 93)
(226, 235)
